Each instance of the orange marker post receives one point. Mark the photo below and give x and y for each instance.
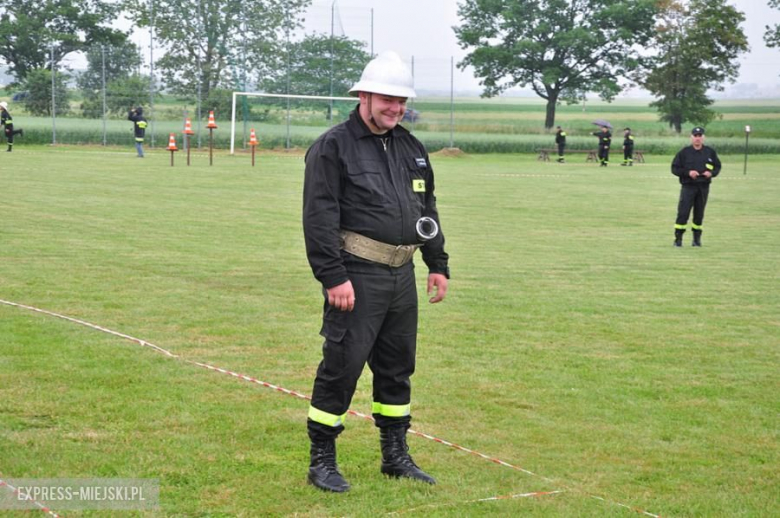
(172, 146)
(187, 132)
(212, 125)
(253, 142)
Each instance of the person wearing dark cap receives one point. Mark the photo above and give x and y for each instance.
(628, 147)
(560, 141)
(139, 128)
(695, 165)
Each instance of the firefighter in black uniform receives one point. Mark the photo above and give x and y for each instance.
(7, 122)
(139, 128)
(368, 204)
(695, 165)
(628, 148)
(605, 140)
(560, 140)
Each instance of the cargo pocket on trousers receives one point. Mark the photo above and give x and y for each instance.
(334, 325)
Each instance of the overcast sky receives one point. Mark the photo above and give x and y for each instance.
(423, 29)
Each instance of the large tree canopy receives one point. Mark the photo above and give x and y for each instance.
(560, 48)
(698, 44)
(30, 28)
(311, 70)
(216, 43)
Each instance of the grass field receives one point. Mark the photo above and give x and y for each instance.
(576, 342)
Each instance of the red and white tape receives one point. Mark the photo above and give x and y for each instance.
(299, 395)
(38, 504)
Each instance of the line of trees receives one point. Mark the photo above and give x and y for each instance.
(561, 49)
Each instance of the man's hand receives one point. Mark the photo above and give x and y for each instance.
(707, 174)
(693, 174)
(439, 282)
(342, 297)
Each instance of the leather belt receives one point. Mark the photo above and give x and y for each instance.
(376, 251)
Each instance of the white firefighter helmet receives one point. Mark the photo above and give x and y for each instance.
(3, 105)
(386, 74)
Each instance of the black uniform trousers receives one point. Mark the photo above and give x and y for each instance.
(381, 330)
(628, 154)
(9, 134)
(561, 148)
(603, 154)
(692, 195)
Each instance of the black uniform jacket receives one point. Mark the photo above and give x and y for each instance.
(689, 159)
(605, 138)
(628, 141)
(6, 120)
(560, 137)
(352, 183)
(139, 124)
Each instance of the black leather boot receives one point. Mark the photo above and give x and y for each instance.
(678, 235)
(396, 461)
(697, 238)
(323, 470)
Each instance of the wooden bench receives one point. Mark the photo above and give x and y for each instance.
(593, 154)
(544, 154)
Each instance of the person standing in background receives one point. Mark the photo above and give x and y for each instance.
(560, 140)
(139, 128)
(7, 122)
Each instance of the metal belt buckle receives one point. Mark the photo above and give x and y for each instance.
(400, 255)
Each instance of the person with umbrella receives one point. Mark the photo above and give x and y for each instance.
(605, 140)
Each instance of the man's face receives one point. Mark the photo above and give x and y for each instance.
(382, 112)
(697, 140)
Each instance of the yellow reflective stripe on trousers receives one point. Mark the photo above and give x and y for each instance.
(391, 410)
(694, 226)
(679, 227)
(318, 416)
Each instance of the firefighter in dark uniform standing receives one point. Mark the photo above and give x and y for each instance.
(368, 204)
(628, 148)
(560, 140)
(695, 165)
(7, 122)
(605, 140)
(139, 128)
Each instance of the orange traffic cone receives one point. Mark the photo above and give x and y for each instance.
(188, 127)
(172, 143)
(253, 138)
(212, 124)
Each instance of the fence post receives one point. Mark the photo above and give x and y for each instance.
(452, 101)
(103, 53)
(53, 101)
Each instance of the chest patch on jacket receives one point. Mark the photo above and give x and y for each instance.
(420, 162)
(418, 185)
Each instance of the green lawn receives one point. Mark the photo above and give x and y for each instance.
(575, 343)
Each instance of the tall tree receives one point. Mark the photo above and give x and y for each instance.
(30, 28)
(313, 72)
(560, 48)
(216, 43)
(116, 68)
(698, 43)
(772, 34)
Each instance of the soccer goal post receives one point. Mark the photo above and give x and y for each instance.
(236, 95)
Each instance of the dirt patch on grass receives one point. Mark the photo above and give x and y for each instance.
(450, 151)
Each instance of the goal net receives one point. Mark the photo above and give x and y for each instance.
(282, 120)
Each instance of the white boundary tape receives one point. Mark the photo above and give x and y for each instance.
(244, 377)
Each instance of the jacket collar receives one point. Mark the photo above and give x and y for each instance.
(360, 130)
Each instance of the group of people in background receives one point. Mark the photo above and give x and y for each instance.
(605, 141)
(695, 166)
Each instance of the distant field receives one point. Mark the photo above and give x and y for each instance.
(505, 125)
(576, 342)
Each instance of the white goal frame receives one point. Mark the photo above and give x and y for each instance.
(283, 96)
